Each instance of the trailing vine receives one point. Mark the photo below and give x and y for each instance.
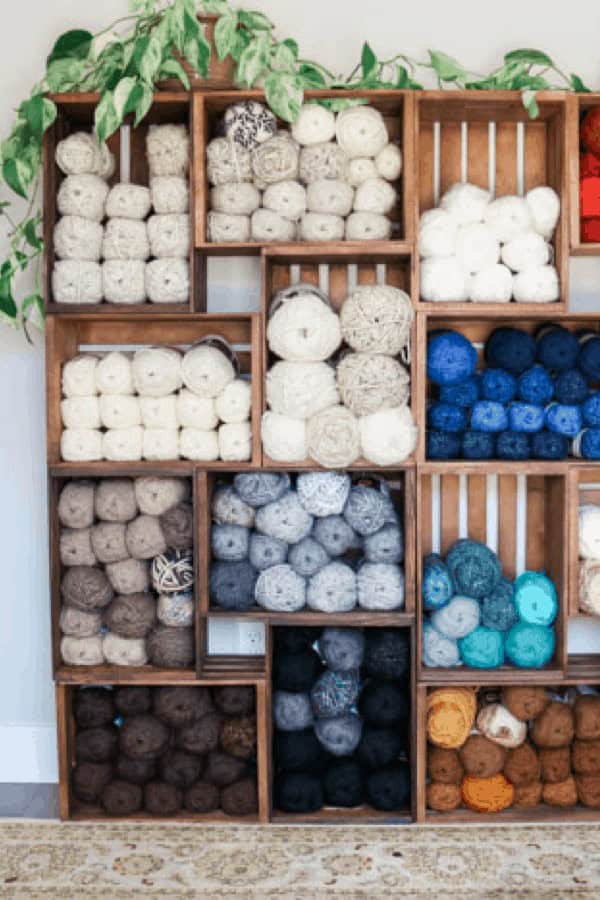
(124, 61)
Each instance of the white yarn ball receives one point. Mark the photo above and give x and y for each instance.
(314, 124)
(377, 318)
(389, 162)
(303, 328)
(330, 196)
(299, 389)
(223, 228)
(360, 169)
(233, 403)
(82, 195)
(323, 493)
(159, 412)
(156, 371)
(80, 154)
(368, 226)
(276, 159)
(321, 227)
(466, 202)
(326, 160)
(169, 194)
(508, 217)
(80, 444)
(238, 198)
(79, 376)
(332, 589)
(126, 239)
(196, 412)
(80, 412)
(84, 651)
(438, 233)
(375, 195)
(287, 199)
(228, 508)
(544, 207)
(167, 148)
(169, 235)
(227, 161)
(380, 586)
(77, 281)
(206, 371)
(123, 444)
(388, 437)
(332, 437)
(283, 438)
(280, 589)
(526, 250)
(589, 531)
(168, 280)
(476, 248)
(368, 382)
(266, 225)
(113, 374)
(198, 444)
(589, 586)
(176, 610)
(78, 238)
(128, 201)
(443, 280)
(124, 281)
(120, 411)
(235, 442)
(120, 651)
(361, 131)
(539, 284)
(458, 618)
(491, 285)
(160, 443)
(80, 623)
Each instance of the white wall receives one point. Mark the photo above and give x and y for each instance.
(332, 32)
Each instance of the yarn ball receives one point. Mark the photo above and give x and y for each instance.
(233, 405)
(227, 161)
(171, 648)
(128, 576)
(222, 769)
(498, 608)
(389, 788)
(334, 693)
(238, 737)
(481, 757)
(180, 705)
(555, 764)
(341, 735)
(457, 618)
(585, 757)
(437, 582)
(446, 417)
(296, 671)
(334, 534)
(283, 438)
(173, 571)
(498, 385)
(75, 547)
(280, 589)
(167, 149)
(365, 510)
(384, 703)
(512, 445)
(377, 318)
(590, 410)
(235, 198)
(450, 716)
(81, 444)
(321, 227)
(76, 504)
(123, 280)
(227, 228)
(508, 217)
(380, 586)
(342, 649)
(388, 437)
(78, 377)
(557, 348)
(156, 371)
(564, 419)
(332, 589)
(359, 169)
(538, 284)
(82, 195)
(443, 444)
(544, 208)
(228, 508)
(89, 780)
(131, 701)
(292, 711)
(474, 568)
(530, 646)
(234, 700)
(201, 797)
(275, 159)
(86, 587)
(587, 717)
(570, 386)
(450, 358)
(587, 444)
(463, 394)
(444, 766)
(489, 416)
(385, 545)
(177, 525)
(298, 792)
(264, 552)
(438, 232)
(330, 196)
(554, 726)
(482, 648)
(97, 745)
(144, 537)
(343, 784)
(206, 370)
(202, 736)
(297, 751)
(525, 702)
(526, 250)
(93, 707)
(137, 771)
(259, 488)
(361, 131)
(589, 587)
(375, 195)
(285, 519)
(478, 445)
(125, 239)
(122, 651)
(266, 225)
(526, 417)
(387, 653)
(548, 445)
(500, 726)
(240, 798)
(120, 411)
(235, 441)
(303, 327)
(121, 798)
(169, 235)
(379, 746)
(170, 194)
(168, 280)
(368, 226)
(127, 444)
(323, 493)
(80, 412)
(487, 795)
(77, 238)
(230, 542)
(323, 160)
(476, 247)
(467, 202)
(535, 386)
(143, 737)
(370, 382)
(510, 349)
(443, 280)
(77, 623)
(128, 201)
(286, 198)
(162, 799)
(535, 598)
(443, 797)
(232, 585)
(388, 162)
(438, 650)
(131, 615)
(589, 355)
(82, 651)
(80, 153)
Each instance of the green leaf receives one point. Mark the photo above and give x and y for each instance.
(147, 57)
(196, 48)
(254, 60)
(172, 68)
(213, 6)
(17, 174)
(292, 45)
(106, 118)
(64, 74)
(7, 304)
(368, 61)
(74, 44)
(32, 307)
(312, 76)
(530, 103)
(282, 58)
(532, 57)
(31, 235)
(445, 67)
(39, 113)
(141, 102)
(122, 95)
(255, 21)
(337, 104)
(240, 43)
(225, 31)
(284, 93)
(578, 85)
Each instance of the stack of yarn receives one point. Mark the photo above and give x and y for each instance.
(328, 179)
(335, 410)
(156, 403)
(589, 177)
(489, 251)
(127, 572)
(482, 620)
(165, 749)
(589, 559)
(520, 747)
(341, 709)
(323, 542)
(535, 398)
(128, 239)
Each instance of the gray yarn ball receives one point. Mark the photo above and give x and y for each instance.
(291, 711)
(307, 557)
(232, 585)
(259, 488)
(342, 648)
(280, 589)
(340, 736)
(285, 519)
(385, 546)
(334, 693)
(334, 534)
(323, 493)
(265, 551)
(333, 589)
(365, 510)
(230, 542)
(380, 586)
(228, 508)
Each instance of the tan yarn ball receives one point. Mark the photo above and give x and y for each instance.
(76, 547)
(82, 651)
(589, 586)
(369, 382)
(326, 160)
(275, 160)
(121, 651)
(332, 437)
(128, 576)
(377, 319)
(80, 623)
(227, 161)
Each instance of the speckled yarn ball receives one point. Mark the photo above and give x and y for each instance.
(181, 705)
(232, 585)
(173, 571)
(296, 672)
(292, 711)
(280, 589)
(489, 416)
(387, 653)
(171, 648)
(530, 646)
(571, 387)
(332, 589)
(590, 410)
(238, 737)
(259, 488)
(341, 735)
(365, 510)
(323, 160)
(437, 649)
(458, 618)
(474, 568)
(167, 149)
(380, 586)
(201, 797)
(298, 792)
(136, 771)
(438, 584)
(379, 746)
(564, 419)
(525, 417)
(323, 493)
(482, 648)
(389, 788)
(76, 504)
(342, 649)
(79, 624)
(510, 349)
(89, 780)
(498, 608)
(333, 438)
(334, 534)
(450, 358)
(306, 557)
(303, 327)
(384, 703)
(285, 519)
(230, 542)
(335, 693)
(206, 370)
(227, 161)
(121, 798)
(131, 615)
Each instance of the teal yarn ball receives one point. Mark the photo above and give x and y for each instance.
(536, 599)
(458, 618)
(475, 569)
(530, 646)
(483, 648)
(498, 609)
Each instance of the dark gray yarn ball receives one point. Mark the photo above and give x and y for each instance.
(265, 552)
(365, 509)
(385, 546)
(201, 797)
(259, 488)
(343, 784)
(137, 771)
(181, 705)
(298, 792)
(143, 737)
(171, 648)
(296, 671)
(307, 557)
(387, 653)
(380, 746)
(93, 707)
(89, 780)
(132, 701)
(177, 526)
(86, 587)
(334, 534)
(96, 745)
(121, 798)
(230, 542)
(340, 736)
(180, 768)
(201, 736)
(292, 711)
(298, 751)
(384, 703)
(342, 648)
(235, 699)
(222, 769)
(162, 799)
(232, 585)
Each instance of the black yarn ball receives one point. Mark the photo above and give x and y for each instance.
(234, 700)
(298, 792)
(380, 746)
(295, 640)
(137, 771)
(96, 744)
(384, 703)
(133, 701)
(93, 707)
(387, 653)
(296, 671)
(298, 751)
(389, 788)
(90, 779)
(120, 798)
(180, 768)
(162, 799)
(343, 784)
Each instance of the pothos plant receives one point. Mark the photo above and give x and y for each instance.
(123, 62)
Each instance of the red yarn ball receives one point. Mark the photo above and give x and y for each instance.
(590, 131)
(589, 164)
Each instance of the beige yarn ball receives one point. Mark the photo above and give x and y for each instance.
(330, 196)
(238, 198)
(169, 194)
(156, 371)
(233, 403)
(108, 541)
(129, 576)
(167, 148)
(115, 500)
(266, 225)
(321, 227)
(326, 160)
(75, 547)
(80, 623)
(82, 651)
(223, 228)
(155, 496)
(76, 504)
(199, 445)
(235, 442)
(77, 281)
(314, 124)
(276, 159)
(159, 412)
(169, 235)
(361, 131)
(303, 327)
(128, 201)
(123, 444)
(589, 586)
(206, 370)
(120, 411)
(80, 154)
(113, 374)
(301, 389)
(124, 281)
(287, 199)
(160, 443)
(120, 651)
(80, 412)
(377, 319)
(80, 445)
(125, 239)
(389, 436)
(359, 170)
(144, 537)
(82, 195)
(78, 238)
(283, 438)
(589, 531)
(388, 162)
(79, 376)
(332, 437)
(368, 226)
(168, 280)
(196, 412)
(369, 382)
(227, 161)
(375, 195)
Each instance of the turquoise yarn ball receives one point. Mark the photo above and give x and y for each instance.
(530, 646)
(458, 618)
(483, 648)
(475, 569)
(437, 582)
(498, 608)
(535, 598)
(438, 650)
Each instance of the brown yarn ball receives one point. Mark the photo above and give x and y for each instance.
(444, 766)
(586, 757)
(162, 799)
(443, 797)
(222, 769)
(522, 765)
(177, 526)
(131, 615)
(86, 587)
(555, 764)
(201, 736)
(89, 780)
(137, 771)
(133, 701)
(554, 727)
(171, 648)
(93, 707)
(234, 700)
(238, 737)
(240, 798)
(96, 744)
(180, 768)
(587, 717)
(528, 795)
(180, 706)
(201, 798)
(115, 500)
(143, 737)
(588, 790)
(525, 703)
(563, 793)
(121, 798)
(144, 538)
(481, 757)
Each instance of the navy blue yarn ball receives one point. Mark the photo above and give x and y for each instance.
(548, 445)
(590, 410)
(557, 348)
(589, 355)
(571, 387)
(513, 445)
(497, 384)
(298, 792)
(447, 417)
(564, 419)
(298, 751)
(478, 445)
(450, 358)
(527, 417)
(498, 609)
(343, 784)
(488, 415)
(384, 703)
(387, 653)
(380, 746)
(535, 385)
(442, 445)
(232, 584)
(389, 788)
(475, 569)
(296, 671)
(589, 444)
(464, 394)
(510, 349)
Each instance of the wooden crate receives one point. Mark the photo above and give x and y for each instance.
(128, 144)
(73, 810)
(398, 111)
(577, 107)
(522, 517)
(584, 487)
(68, 335)
(488, 138)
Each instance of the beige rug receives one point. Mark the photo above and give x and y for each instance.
(41, 860)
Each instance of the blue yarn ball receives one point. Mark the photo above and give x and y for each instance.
(365, 510)
(230, 542)
(474, 568)
(513, 445)
(483, 648)
(334, 534)
(589, 355)
(564, 419)
(590, 410)
(307, 557)
(442, 445)
(464, 394)
(446, 417)
(458, 618)
(510, 349)
(232, 585)
(342, 649)
(488, 415)
(438, 586)
(587, 444)
(498, 608)
(437, 649)
(536, 600)
(548, 445)
(265, 551)
(451, 358)
(385, 546)
(571, 387)
(478, 445)
(535, 385)
(557, 348)
(497, 384)
(284, 519)
(530, 646)
(526, 417)
(258, 488)
(335, 693)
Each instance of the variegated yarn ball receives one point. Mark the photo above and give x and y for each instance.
(377, 319)
(324, 160)
(173, 572)
(176, 609)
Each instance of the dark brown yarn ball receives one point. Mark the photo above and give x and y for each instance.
(90, 779)
(443, 797)
(178, 526)
(171, 648)
(180, 706)
(554, 727)
(564, 793)
(121, 798)
(137, 771)
(96, 744)
(240, 798)
(143, 737)
(202, 797)
(555, 764)
(525, 703)
(481, 757)
(234, 700)
(238, 737)
(180, 768)
(522, 765)
(588, 790)
(131, 615)
(222, 769)
(201, 736)
(93, 707)
(586, 757)
(444, 766)
(86, 587)
(133, 701)
(528, 795)
(587, 717)
(162, 799)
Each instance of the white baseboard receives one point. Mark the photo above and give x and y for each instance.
(28, 754)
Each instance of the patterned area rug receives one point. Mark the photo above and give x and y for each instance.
(41, 860)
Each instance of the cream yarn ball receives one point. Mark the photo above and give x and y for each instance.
(128, 201)
(438, 233)
(499, 725)
(78, 238)
(361, 131)
(124, 281)
(169, 235)
(388, 162)
(168, 280)
(266, 225)
(330, 196)
(120, 651)
(169, 194)
(79, 376)
(491, 285)
(368, 226)
(81, 444)
(301, 389)
(544, 207)
(369, 382)
(233, 403)
(375, 195)
(589, 586)
(467, 202)
(167, 149)
(332, 437)
(508, 217)
(314, 125)
(283, 438)
(476, 248)
(377, 319)
(526, 250)
(160, 443)
(225, 228)
(81, 154)
(206, 370)
(80, 412)
(326, 160)
(123, 444)
(538, 284)
(120, 411)
(321, 227)
(113, 374)
(77, 281)
(126, 239)
(388, 437)
(276, 159)
(196, 412)
(443, 280)
(360, 169)
(303, 327)
(235, 442)
(198, 444)
(589, 531)
(156, 371)
(287, 199)
(82, 195)
(227, 161)
(82, 651)
(159, 412)
(80, 623)
(238, 198)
